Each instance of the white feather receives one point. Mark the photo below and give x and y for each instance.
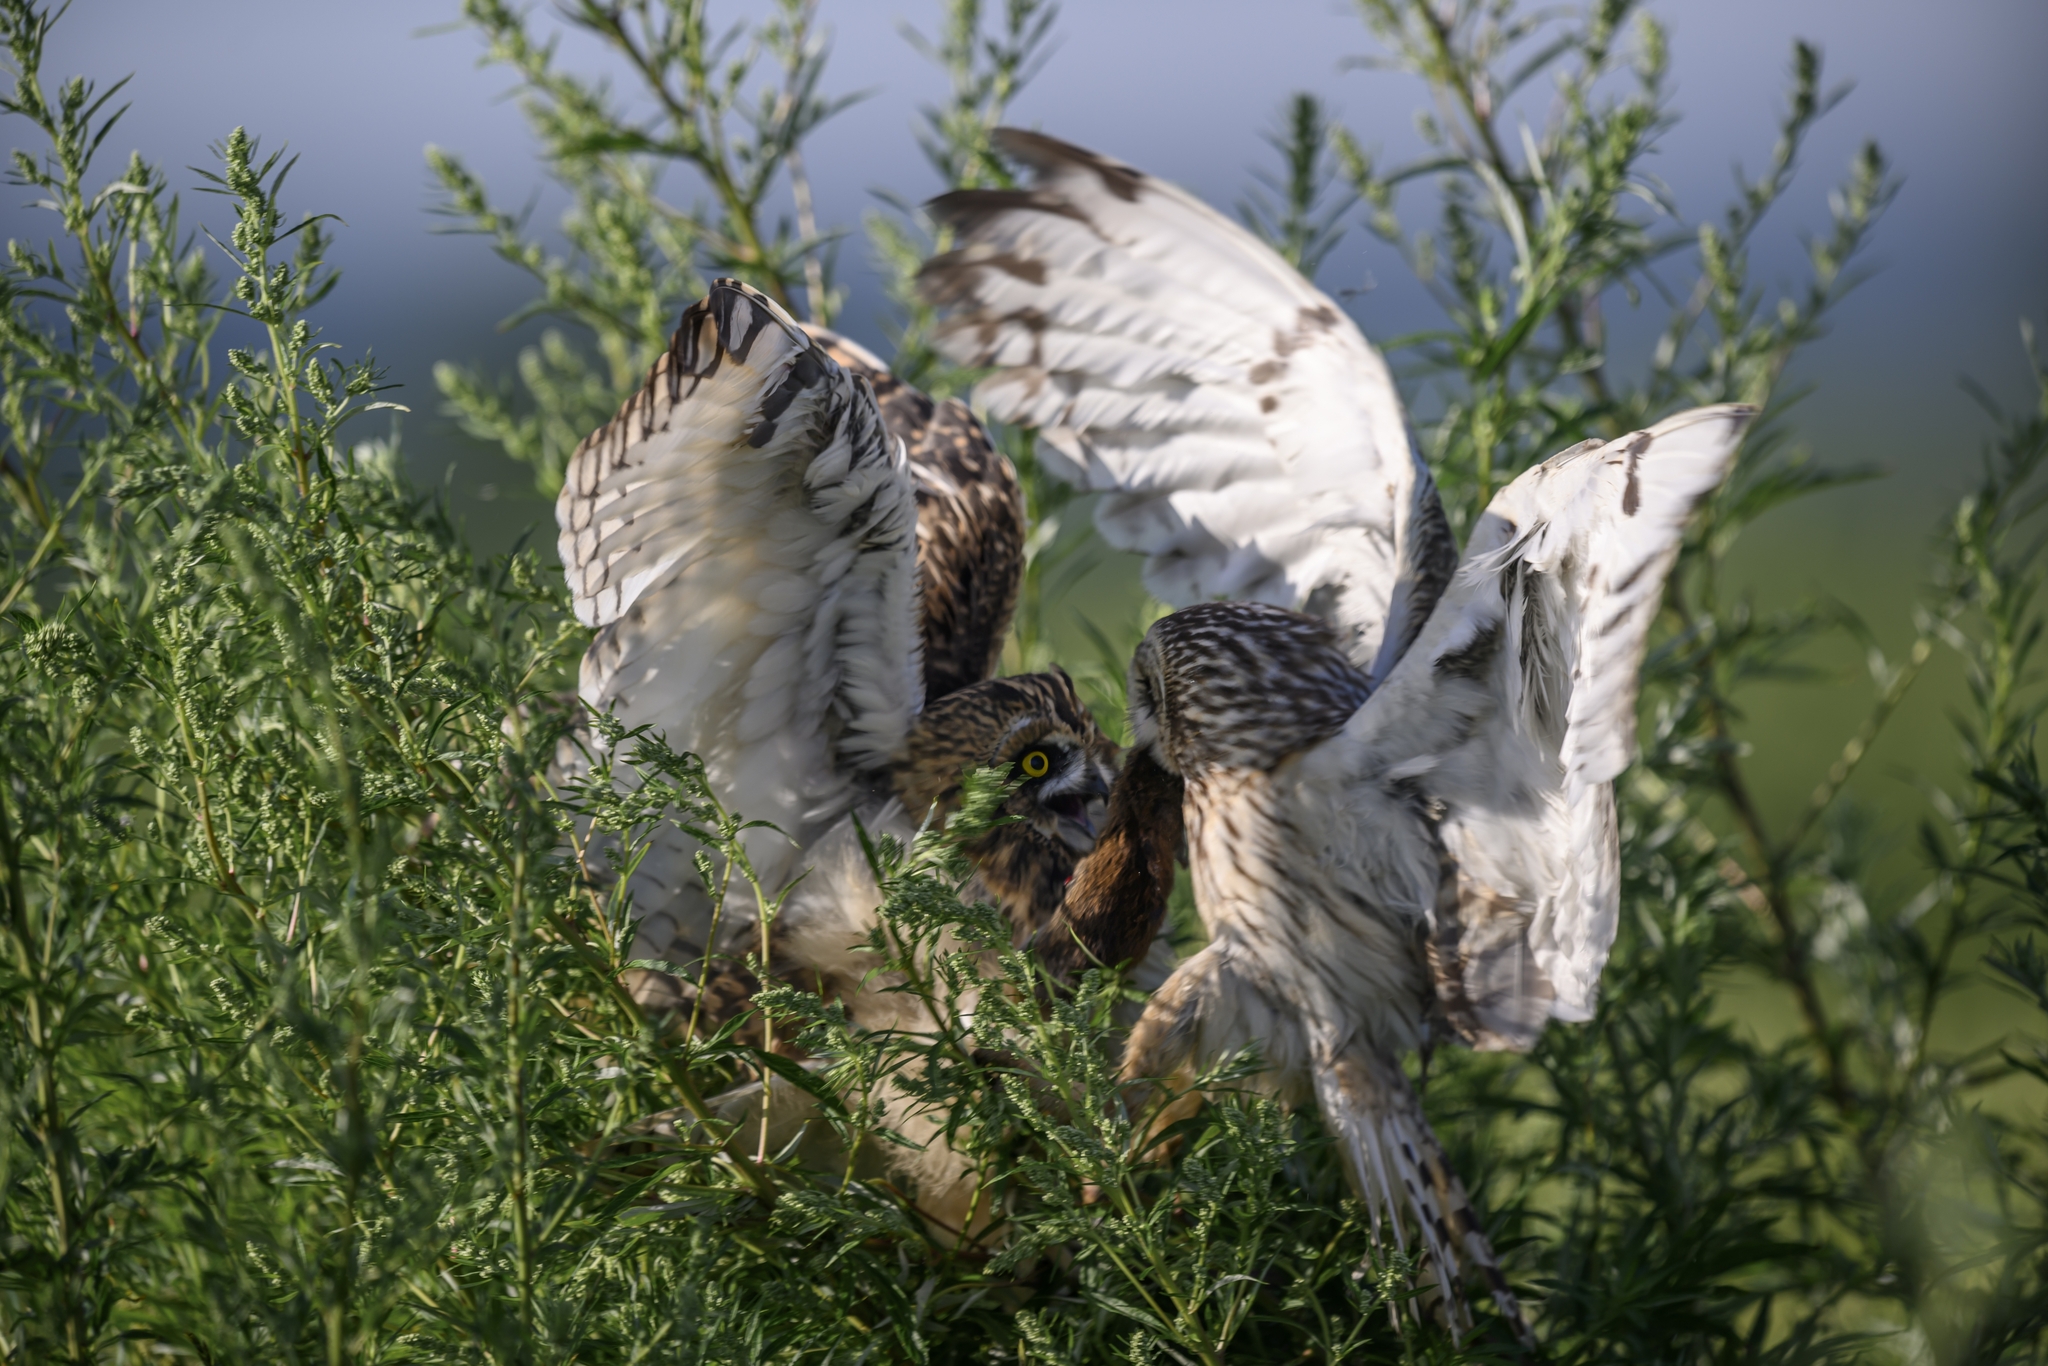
(1252, 438)
(756, 604)
(1564, 576)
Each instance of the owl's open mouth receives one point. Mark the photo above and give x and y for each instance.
(1078, 816)
(1071, 806)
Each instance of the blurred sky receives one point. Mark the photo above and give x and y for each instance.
(1184, 88)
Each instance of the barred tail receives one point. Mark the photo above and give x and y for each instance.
(1392, 1151)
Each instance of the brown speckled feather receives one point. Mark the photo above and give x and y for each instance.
(1375, 863)
(1312, 956)
(970, 523)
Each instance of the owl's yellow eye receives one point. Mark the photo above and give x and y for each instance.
(1036, 765)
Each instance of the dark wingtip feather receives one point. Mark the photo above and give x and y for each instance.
(1047, 155)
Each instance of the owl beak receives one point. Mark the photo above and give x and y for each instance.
(1094, 792)
(1092, 814)
(1079, 807)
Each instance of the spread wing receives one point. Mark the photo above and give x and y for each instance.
(742, 534)
(1250, 439)
(1509, 719)
(970, 523)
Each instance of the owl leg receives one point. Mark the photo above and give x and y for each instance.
(1166, 1046)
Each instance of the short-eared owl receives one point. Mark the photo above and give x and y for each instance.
(802, 571)
(1392, 770)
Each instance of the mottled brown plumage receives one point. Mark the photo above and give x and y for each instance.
(970, 523)
(1025, 862)
(1432, 858)
(1309, 958)
(1116, 902)
(1240, 684)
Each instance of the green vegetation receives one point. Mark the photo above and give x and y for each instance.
(311, 1042)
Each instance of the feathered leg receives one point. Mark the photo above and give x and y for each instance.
(1392, 1152)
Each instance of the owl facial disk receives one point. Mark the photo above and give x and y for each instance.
(1141, 701)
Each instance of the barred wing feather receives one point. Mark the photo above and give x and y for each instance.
(1250, 439)
(743, 534)
(1511, 716)
(970, 522)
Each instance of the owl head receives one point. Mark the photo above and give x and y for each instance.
(1035, 726)
(1238, 685)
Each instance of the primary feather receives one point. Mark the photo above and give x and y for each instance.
(1249, 438)
(743, 535)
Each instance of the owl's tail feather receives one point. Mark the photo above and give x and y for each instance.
(1393, 1153)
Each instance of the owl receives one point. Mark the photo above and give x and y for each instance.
(801, 570)
(1391, 769)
